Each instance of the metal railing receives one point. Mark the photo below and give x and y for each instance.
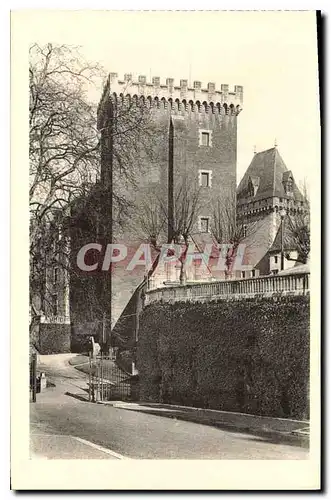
(289, 284)
(107, 381)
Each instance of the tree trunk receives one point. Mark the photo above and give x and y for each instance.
(182, 275)
(230, 259)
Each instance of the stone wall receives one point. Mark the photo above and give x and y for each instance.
(245, 355)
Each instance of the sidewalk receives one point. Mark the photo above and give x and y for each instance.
(276, 429)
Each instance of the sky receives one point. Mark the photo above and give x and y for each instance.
(272, 54)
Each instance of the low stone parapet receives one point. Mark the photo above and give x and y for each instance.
(266, 286)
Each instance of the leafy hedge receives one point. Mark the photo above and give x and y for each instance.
(124, 361)
(248, 355)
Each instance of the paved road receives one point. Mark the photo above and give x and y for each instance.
(57, 366)
(113, 433)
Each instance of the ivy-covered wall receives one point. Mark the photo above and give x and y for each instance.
(54, 338)
(248, 355)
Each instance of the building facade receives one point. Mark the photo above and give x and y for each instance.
(50, 325)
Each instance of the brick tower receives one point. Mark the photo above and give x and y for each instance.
(194, 136)
(191, 134)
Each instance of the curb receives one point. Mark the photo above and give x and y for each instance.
(295, 438)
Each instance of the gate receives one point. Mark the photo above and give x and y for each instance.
(107, 382)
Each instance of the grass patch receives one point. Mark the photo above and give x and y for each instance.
(86, 368)
(77, 360)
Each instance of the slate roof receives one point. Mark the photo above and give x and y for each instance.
(296, 269)
(289, 241)
(271, 170)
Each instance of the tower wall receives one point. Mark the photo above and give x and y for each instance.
(168, 90)
(193, 111)
(218, 160)
(262, 224)
(176, 117)
(261, 232)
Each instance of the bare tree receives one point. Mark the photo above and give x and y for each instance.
(63, 141)
(65, 147)
(187, 205)
(150, 220)
(298, 230)
(299, 227)
(153, 217)
(228, 230)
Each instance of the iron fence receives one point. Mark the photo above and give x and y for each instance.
(108, 382)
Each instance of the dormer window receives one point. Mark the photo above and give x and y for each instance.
(288, 182)
(253, 184)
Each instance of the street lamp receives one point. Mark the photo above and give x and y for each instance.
(282, 216)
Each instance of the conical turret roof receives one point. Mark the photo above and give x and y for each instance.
(268, 173)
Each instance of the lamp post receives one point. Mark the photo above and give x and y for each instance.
(282, 216)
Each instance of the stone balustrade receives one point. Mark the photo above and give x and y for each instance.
(289, 284)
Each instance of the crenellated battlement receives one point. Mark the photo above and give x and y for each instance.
(169, 95)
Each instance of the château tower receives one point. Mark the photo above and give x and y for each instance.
(187, 132)
(194, 131)
(267, 190)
